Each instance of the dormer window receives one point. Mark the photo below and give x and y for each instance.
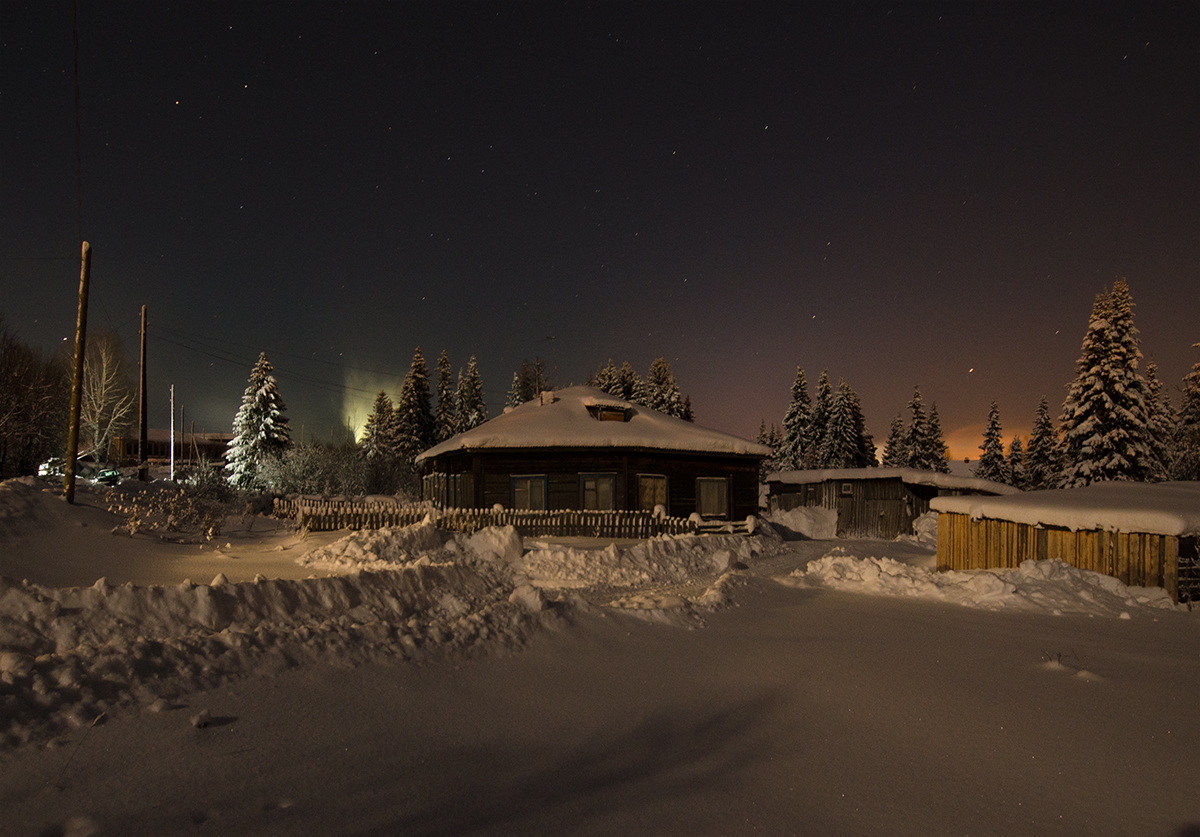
(609, 412)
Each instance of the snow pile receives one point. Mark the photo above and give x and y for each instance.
(659, 560)
(812, 522)
(1052, 586)
(68, 655)
(383, 549)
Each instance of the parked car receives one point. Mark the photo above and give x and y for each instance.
(108, 476)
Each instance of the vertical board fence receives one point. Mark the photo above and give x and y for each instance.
(322, 514)
(1135, 558)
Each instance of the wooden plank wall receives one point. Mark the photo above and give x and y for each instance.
(1135, 558)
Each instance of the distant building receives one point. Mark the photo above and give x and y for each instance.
(872, 502)
(189, 447)
(581, 448)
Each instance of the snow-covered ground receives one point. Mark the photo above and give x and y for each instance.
(412, 681)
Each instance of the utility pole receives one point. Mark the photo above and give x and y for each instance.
(143, 448)
(172, 433)
(77, 382)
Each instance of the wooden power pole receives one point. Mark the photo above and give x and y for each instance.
(143, 448)
(77, 380)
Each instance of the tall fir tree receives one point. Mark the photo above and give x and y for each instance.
(792, 453)
(895, 453)
(817, 420)
(1161, 424)
(935, 443)
(525, 381)
(514, 392)
(687, 414)
(992, 465)
(1042, 463)
(1105, 422)
(260, 428)
(1186, 465)
(444, 419)
(662, 392)
(414, 417)
(631, 387)
(865, 456)
(1016, 464)
(607, 379)
(378, 441)
(471, 408)
(915, 435)
(839, 446)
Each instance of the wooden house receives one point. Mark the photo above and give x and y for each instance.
(872, 502)
(580, 448)
(1143, 534)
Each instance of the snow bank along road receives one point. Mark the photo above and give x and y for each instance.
(1035, 701)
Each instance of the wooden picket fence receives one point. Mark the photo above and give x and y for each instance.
(323, 514)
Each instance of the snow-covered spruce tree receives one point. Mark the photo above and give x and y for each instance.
(1105, 422)
(414, 418)
(865, 457)
(687, 414)
(916, 434)
(1161, 424)
(607, 380)
(444, 419)
(1186, 464)
(818, 418)
(260, 428)
(992, 465)
(472, 411)
(791, 454)
(1016, 464)
(895, 453)
(378, 441)
(630, 385)
(1042, 463)
(938, 454)
(514, 392)
(839, 447)
(662, 393)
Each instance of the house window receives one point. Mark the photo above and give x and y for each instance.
(847, 489)
(712, 496)
(597, 492)
(529, 492)
(652, 491)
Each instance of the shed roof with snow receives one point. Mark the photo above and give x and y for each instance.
(1169, 508)
(909, 476)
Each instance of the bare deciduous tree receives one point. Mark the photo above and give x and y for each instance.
(109, 404)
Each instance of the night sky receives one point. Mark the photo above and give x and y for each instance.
(904, 194)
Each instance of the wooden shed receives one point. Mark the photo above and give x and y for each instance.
(1145, 534)
(872, 502)
(580, 448)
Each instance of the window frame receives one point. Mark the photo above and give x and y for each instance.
(530, 479)
(724, 483)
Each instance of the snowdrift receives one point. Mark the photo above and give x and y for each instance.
(69, 655)
(1052, 586)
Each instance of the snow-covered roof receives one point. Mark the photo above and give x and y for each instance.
(911, 476)
(566, 422)
(1168, 508)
